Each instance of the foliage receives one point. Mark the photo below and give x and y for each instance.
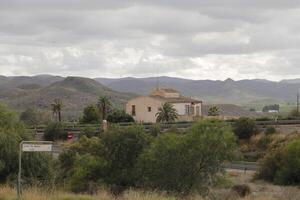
(242, 190)
(91, 115)
(122, 147)
(183, 163)
(213, 111)
(270, 130)
(56, 108)
(282, 165)
(294, 113)
(90, 131)
(110, 160)
(155, 130)
(166, 113)
(244, 128)
(55, 131)
(12, 132)
(87, 171)
(104, 105)
(29, 117)
(118, 116)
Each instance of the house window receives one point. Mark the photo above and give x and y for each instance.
(197, 110)
(187, 109)
(192, 110)
(149, 109)
(133, 110)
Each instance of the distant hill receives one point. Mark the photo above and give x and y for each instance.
(222, 92)
(39, 92)
(230, 110)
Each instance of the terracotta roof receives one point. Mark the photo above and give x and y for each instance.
(168, 90)
(180, 99)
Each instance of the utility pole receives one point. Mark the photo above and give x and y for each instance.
(298, 104)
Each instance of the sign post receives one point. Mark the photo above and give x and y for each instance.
(31, 146)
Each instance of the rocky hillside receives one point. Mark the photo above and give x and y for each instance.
(39, 92)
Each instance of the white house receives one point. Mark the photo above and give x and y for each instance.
(144, 108)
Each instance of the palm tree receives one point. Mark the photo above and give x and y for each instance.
(104, 106)
(166, 113)
(56, 108)
(214, 111)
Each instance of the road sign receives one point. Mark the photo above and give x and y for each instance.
(36, 147)
(31, 146)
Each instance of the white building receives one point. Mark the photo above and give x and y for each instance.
(144, 108)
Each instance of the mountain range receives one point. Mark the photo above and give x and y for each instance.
(21, 92)
(210, 91)
(40, 91)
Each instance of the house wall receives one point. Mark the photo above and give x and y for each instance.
(141, 108)
(180, 107)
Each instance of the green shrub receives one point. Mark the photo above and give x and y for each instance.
(91, 115)
(118, 116)
(181, 163)
(90, 131)
(122, 147)
(270, 130)
(36, 167)
(282, 165)
(55, 131)
(155, 130)
(244, 128)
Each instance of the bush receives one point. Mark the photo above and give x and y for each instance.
(55, 131)
(118, 116)
(91, 115)
(181, 163)
(242, 190)
(270, 130)
(122, 147)
(155, 130)
(90, 131)
(282, 165)
(244, 128)
(35, 166)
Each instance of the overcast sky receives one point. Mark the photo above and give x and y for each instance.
(198, 39)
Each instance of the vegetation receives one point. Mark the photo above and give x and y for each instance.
(104, 106)
(213, 111)
(166, 113)
(12, 132)
(91, 115)
(244, 128)
(32, 117)
(56, 109)
(281, 165)
(118, 116)
(294, 113)
(55, 131)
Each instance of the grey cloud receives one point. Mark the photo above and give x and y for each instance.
(134, 37)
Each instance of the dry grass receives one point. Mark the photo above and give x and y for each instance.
(260, 191)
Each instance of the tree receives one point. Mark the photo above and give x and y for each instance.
(182, 163)
(35, 166)
(104, 106)
(282, 165)
(91, 115)
(118, 116)
(56, 108)
(55, 131)
(122, 147)
(213, 111)
(30, 117)
(244, 128)
(294, 113)
(166, 113)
